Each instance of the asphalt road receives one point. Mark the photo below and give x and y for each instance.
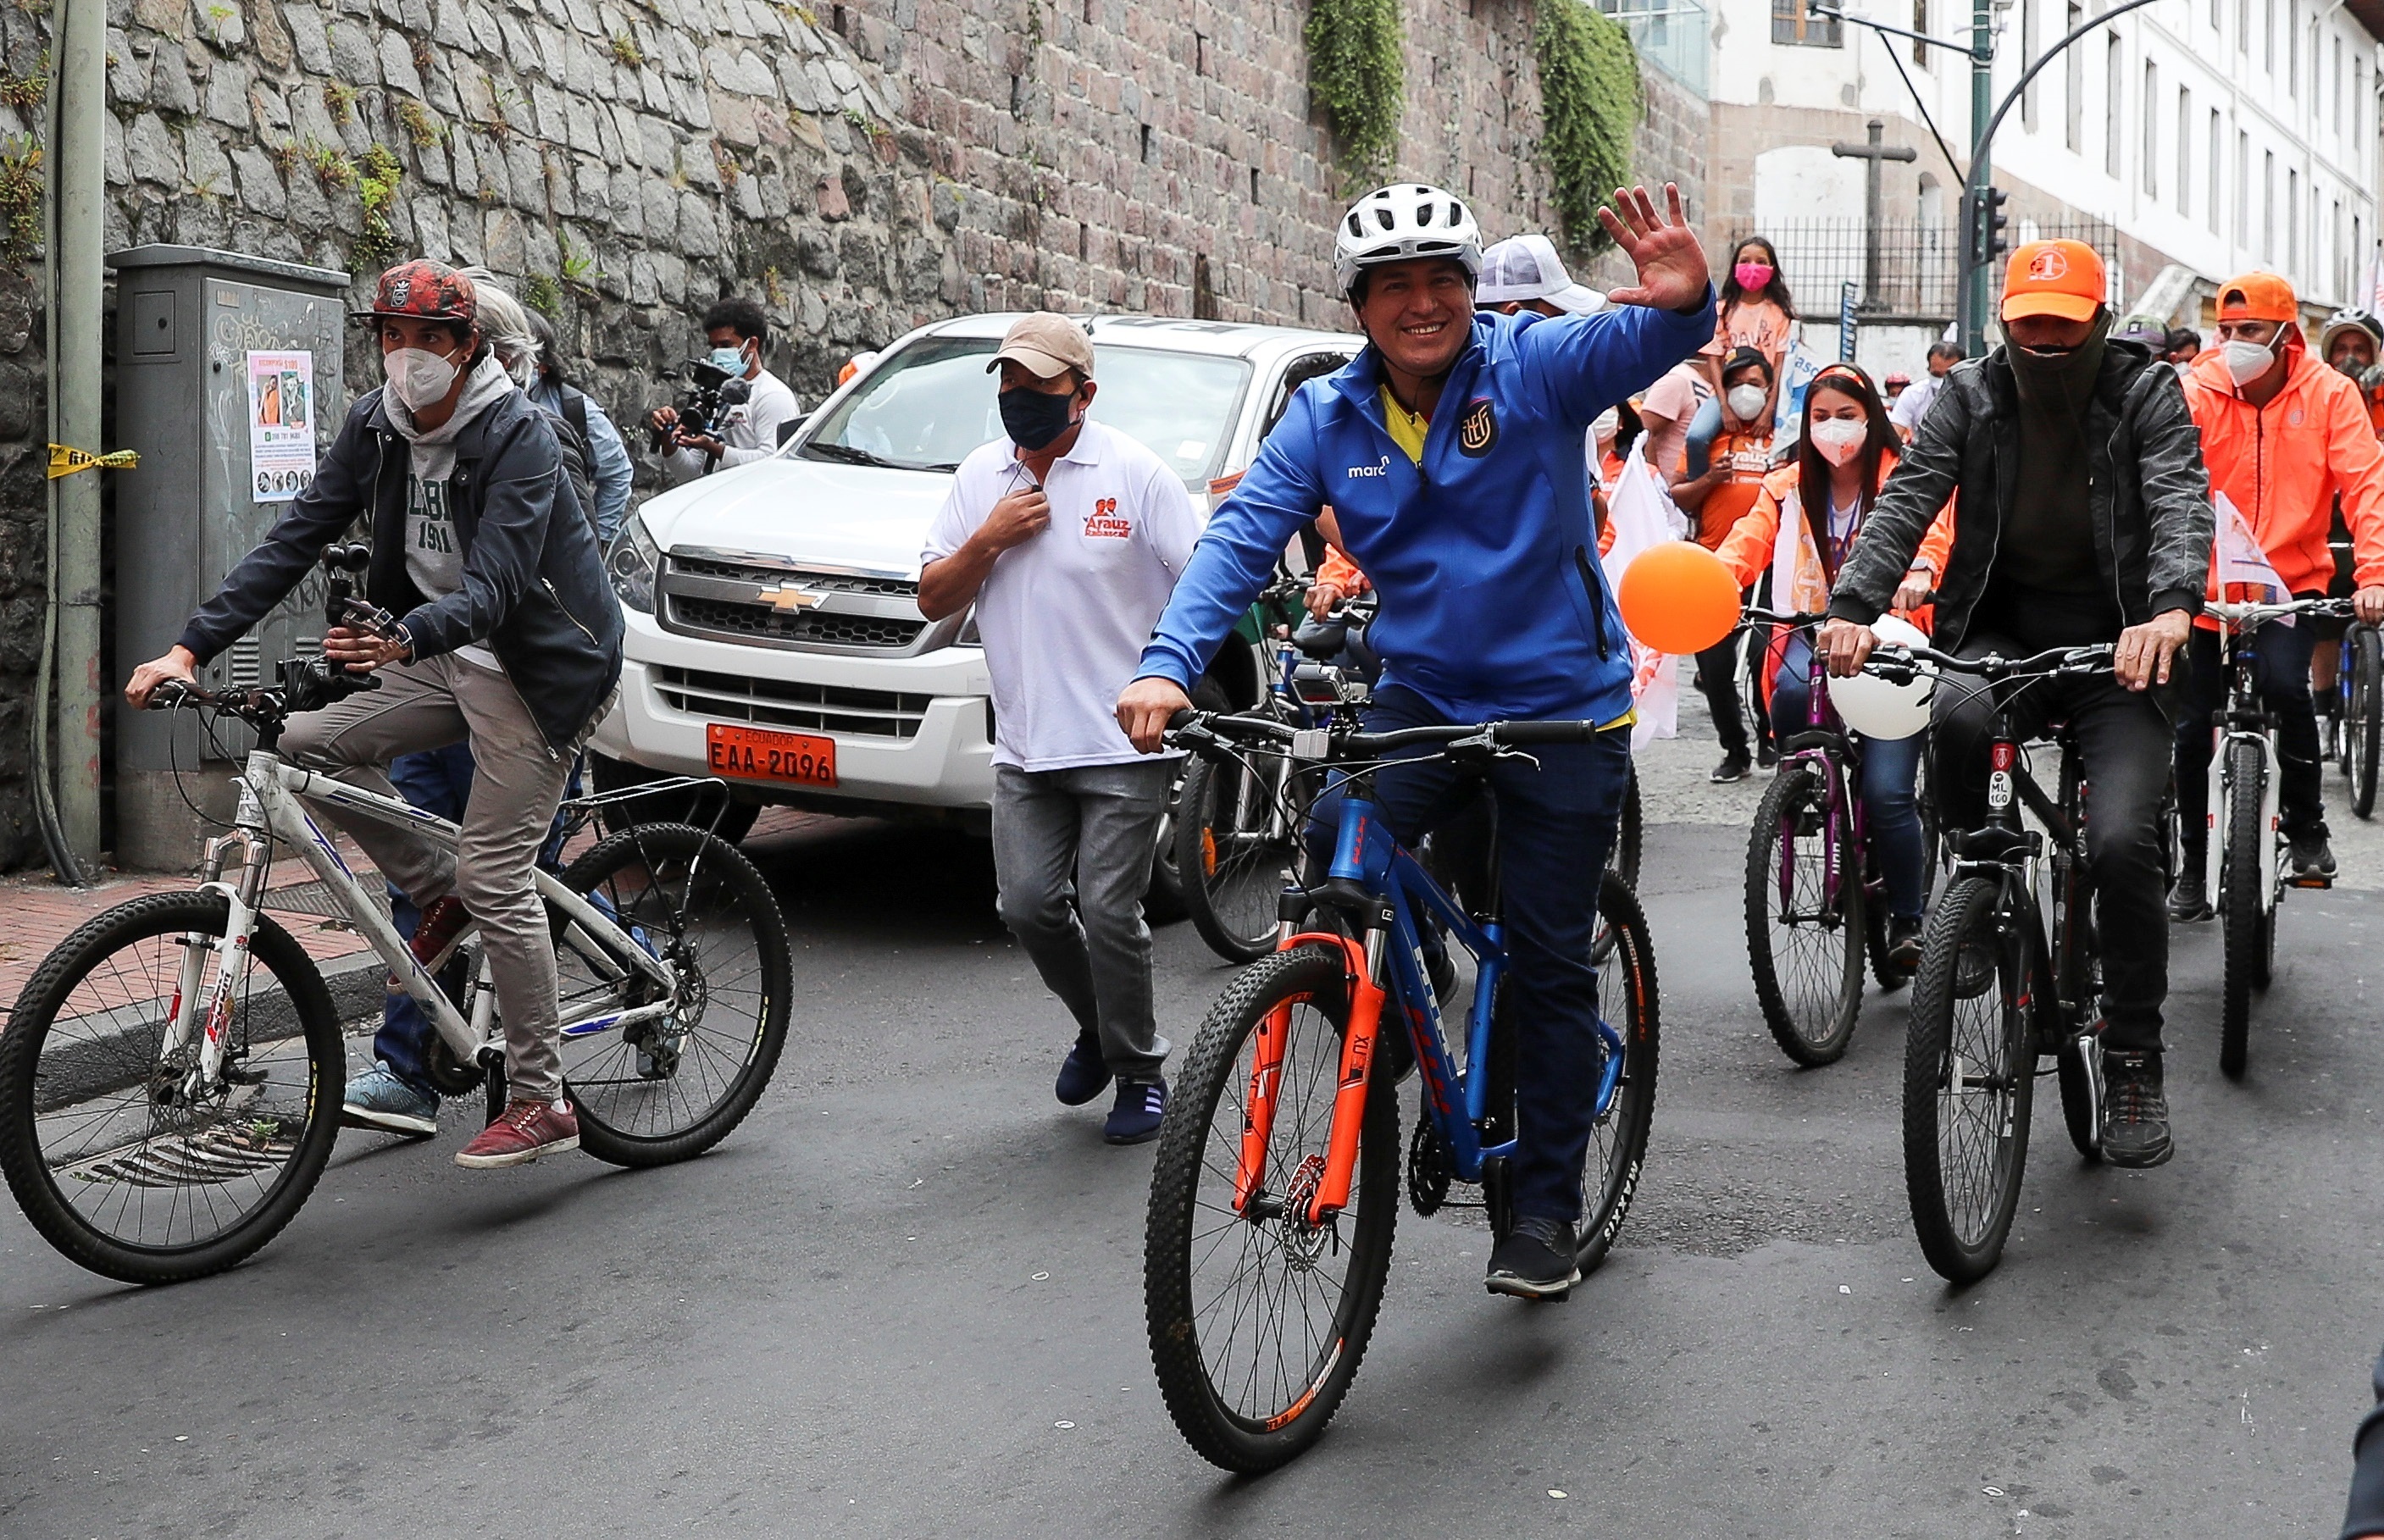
(905, 1299)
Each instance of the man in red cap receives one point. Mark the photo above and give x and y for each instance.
(2286, 438)
(507, 638)
(2085, 519)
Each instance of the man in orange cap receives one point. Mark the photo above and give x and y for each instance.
(2085, 519)
(2285, 437)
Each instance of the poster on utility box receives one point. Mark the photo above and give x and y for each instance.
(281, 424)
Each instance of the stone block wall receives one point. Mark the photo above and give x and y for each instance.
(861, 169)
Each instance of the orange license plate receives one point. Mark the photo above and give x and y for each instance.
(759, 754)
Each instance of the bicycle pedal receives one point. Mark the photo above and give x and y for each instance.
(2316, 882)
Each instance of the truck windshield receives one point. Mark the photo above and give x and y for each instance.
(931, 403)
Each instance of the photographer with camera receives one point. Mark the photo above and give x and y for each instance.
(732, 415)
(505, 636)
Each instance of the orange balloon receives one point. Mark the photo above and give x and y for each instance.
(1677, 597)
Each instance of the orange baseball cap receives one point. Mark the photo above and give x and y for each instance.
(2257, 297)
(2054, 277)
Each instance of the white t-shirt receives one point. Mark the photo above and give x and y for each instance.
(1913, 404)
(1065, 615)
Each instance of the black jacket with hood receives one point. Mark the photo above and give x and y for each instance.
(2147, 487)
(534, 589)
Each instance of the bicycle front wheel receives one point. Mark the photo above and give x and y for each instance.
(2363, 726)
(1257, 1319)
(1232, 868)
(1805, 916)
(1969, 1072)
(1629, 834)
(1625, 955)
(2242, 914)
(116, 1157)
(670, 1088)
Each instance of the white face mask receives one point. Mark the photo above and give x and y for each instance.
(417, 377)
(2246, 361)
(1745, 401)
(1840, 439)
(1607, 423)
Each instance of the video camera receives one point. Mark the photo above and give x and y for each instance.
(710, 391)
(310, 684)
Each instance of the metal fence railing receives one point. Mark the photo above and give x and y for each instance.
(1920, 265)
(1676, 36)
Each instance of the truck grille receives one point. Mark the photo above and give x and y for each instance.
(760, 600)
(782, 704)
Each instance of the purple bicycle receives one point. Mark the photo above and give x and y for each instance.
(1816, 898)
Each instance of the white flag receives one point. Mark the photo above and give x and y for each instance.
(2240, 558)
(1642, 514)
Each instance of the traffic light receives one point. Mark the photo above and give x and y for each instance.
(1988, 222)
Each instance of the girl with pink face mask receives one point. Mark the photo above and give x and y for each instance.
(1755, 310)
(1800, 530)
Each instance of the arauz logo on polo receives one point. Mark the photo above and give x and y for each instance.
(1104, 521)
(1382, 469)
(1477, 431)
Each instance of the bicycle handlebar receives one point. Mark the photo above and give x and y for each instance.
(2247, 613)
(1194, 728)
(1899, 663)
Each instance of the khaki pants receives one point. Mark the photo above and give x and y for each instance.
(516, 786)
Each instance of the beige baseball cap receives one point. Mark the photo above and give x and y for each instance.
(1046, 344)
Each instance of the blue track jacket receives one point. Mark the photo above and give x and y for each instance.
(1493, 603)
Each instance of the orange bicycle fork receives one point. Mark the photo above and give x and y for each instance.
(1362, 961)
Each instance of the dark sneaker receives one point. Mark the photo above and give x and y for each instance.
(2135, 1112)
(1732, 768)
(2312, 860)
(525, 1131)
(1083, 1076)
(1767, 756)
(2189, 902)
(1538, 1260)
(1134, 1119)
(377, 1099)
(1904, 941)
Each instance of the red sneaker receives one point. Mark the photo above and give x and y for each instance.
(438, 928)
(528, 1130)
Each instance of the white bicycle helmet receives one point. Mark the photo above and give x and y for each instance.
(2351, 316)
(1401, 222)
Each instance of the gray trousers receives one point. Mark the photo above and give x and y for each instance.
(515, 786)
(1071, 854)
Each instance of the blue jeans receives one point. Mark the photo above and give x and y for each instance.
(437, 781)
(1556, 825)
(1891, 768)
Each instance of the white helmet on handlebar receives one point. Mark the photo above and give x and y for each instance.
(1400, 223)
(1881, 708)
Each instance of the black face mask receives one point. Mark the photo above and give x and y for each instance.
(1033, 418)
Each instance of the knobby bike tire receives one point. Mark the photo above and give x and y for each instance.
(1972, 951)
(1627, 998)
(1630, 839)
(2364, 728)
(1162, 901)
(753, 1028)
(302, 1013)
(1812, 1012)
(2240, 912)
(1206, 1104)
(1231, 920)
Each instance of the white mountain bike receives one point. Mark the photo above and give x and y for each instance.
(170, 1078)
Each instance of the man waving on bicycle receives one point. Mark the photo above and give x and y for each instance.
(2085, 519)
(507, 636)
(1451, 451)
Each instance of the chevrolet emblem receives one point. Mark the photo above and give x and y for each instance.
(789, 596)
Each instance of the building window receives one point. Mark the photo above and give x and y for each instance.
(2185, 152)
(2073, 85)
(2334, 244)
(2149, 171)
(2027, 52)
(2293, 222)
(2268, 36)
(2243, 26)
(1792, 23)
(2334, 79)
(2114, 85)
(2218, 16)
(1922, 55)
(2242, 189)
(2268, 205)
(2293, 49)
(2215, 172)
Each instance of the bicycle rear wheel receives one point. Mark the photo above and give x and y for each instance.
(1969, 1072)
(2363, 728)
(1623, 860)
(111, 1159)
(2241, 913)
(1625, 955)
(1233, 869)
(1258, 1321)
(1805, 939)
(669, 1089)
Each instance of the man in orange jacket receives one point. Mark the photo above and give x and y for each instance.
(2283, 436)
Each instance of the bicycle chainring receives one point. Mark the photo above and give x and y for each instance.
(1428, 1169)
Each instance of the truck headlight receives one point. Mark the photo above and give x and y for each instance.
(632, 563)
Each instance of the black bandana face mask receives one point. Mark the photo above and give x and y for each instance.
(1033, 418)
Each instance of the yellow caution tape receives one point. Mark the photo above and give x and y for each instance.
(66, 462)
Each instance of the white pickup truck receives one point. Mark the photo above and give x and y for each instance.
(775, 638)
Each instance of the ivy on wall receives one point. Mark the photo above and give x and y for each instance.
(1589, 100)
(1357, 70)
